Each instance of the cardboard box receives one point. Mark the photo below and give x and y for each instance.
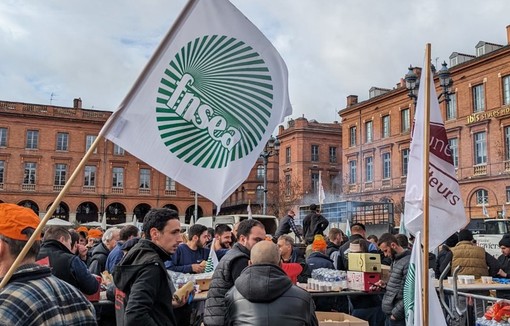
(362, 262)
(385, 273)
(338, 319)
(361, 281)
(203, 284)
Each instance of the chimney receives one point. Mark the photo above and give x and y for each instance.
(351, 100)
(77, 103)
(508, 34)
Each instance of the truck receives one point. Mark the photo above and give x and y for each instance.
(490, 234)
(378, 217)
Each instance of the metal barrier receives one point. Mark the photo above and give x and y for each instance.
(465, 308)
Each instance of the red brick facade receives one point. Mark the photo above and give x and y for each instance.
(487, 175)
(85, 201)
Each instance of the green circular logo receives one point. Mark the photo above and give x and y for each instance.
(214, 101)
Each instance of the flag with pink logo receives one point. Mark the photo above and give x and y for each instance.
(446, 214)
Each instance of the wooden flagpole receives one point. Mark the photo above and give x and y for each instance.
(426, 199)
(49, 213)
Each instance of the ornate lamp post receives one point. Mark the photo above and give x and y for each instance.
(272, 148)
(445, 81)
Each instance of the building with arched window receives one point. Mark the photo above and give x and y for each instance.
(477, 122)
(41, 146)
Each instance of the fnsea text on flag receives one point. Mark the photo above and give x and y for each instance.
(207, 101)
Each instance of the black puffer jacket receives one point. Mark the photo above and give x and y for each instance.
(144, 279)
(223, 279)
(263, 295)
(393, 300)
(98, 259)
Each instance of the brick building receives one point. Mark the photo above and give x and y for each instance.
(477, 120)
(307, 147)
(40, 146)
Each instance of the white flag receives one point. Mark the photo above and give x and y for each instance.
(103, 222)
(322, 195)
(248, 208)
(207, 102)
(402, 227)
(348, 228)
(446, 213)
(212, 260)
(485, 212)
(503, 211)
(413, 301)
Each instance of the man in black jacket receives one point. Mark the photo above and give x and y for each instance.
(314, 223)
(56, 253)
(142, 276)
(264, 295)
(228, 270)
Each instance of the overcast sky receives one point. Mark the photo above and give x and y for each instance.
(333, 48)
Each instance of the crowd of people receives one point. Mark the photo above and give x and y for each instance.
(254, 282)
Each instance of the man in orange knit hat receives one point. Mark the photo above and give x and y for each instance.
(32, 293)
(318, 258)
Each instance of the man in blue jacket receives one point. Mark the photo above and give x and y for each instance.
(191, 257)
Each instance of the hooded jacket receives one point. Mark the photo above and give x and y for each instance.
(263, 295)
(223, 279)
(142, 276)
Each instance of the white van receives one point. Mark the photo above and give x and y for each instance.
(270, 222)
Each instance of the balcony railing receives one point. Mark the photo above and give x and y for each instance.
(117, 190)
(507, 166)
(170, 193)
(353, 188)
(369, 185)
(480, 169)
(28, 187)
(1, 186)
(57, 188)
(89, 189)
(143, 191)
(386, 183)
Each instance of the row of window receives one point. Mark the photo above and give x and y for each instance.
(478, 92)
(478, 95)
(89, 176)
(61, 143)
(482, 196)
(405, 127)
(314, 154)
(479, 147)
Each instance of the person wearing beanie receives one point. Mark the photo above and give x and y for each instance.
(472, 259)
(504, 262)
(318, 257)
(32, 293)
(444, 257)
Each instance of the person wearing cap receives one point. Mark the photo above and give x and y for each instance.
(314, 223)
(100, 253)
(264, 295)
(65, 265)
(32, 293)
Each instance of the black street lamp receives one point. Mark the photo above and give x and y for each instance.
(445, 81)
(272, 148)
(412, 84)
